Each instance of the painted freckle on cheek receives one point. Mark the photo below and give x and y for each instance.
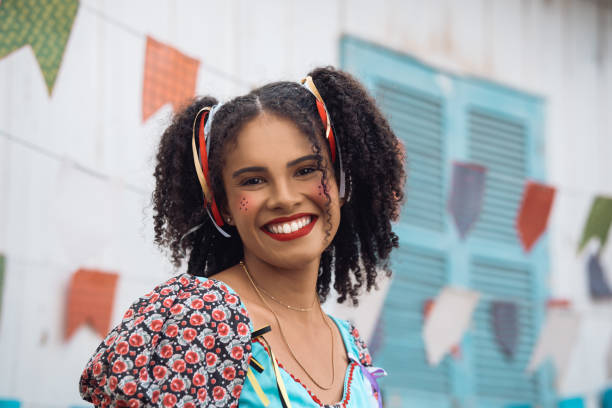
(318, 195)
(244, 204)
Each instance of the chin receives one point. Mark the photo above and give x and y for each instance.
(290, 260)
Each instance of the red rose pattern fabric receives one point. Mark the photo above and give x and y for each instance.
(186, 343)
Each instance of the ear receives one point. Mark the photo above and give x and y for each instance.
(227, 216)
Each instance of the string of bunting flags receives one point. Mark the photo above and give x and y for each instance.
(170, 77)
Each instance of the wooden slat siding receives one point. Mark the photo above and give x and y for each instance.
(419, 275)
(497, 377)
(417, 119)
(500, 145)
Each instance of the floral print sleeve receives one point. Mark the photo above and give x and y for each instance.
(184, 344)
(362, 349)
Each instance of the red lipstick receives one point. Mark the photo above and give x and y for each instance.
(292, 235)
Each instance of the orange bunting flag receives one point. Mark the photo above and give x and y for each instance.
(533, 214)
(169, 77)
(90, 300)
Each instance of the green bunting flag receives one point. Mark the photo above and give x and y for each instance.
(44, 25)
(598, 223)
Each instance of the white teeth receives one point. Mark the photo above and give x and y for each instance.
(289, 227)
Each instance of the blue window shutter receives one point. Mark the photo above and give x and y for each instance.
(416, 110)
(442, 118)
(418, 120)
(502, 131)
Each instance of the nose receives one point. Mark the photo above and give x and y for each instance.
(284, 196)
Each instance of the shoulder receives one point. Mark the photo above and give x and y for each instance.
(358, 345)
(185, 342)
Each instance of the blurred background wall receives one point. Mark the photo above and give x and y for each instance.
(76, 172)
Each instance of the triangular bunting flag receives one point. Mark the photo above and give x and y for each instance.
(505, 325)
(449, 318)
(556, 340)
(598, 284)
(533, 214)
(467, 194)
(427, 307)
(90, 300)
(44, 25)
(169, 77)
(598, 223)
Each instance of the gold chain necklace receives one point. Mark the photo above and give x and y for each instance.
(331, 333)
(296, 308)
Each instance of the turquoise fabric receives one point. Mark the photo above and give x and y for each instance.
(572, 403)
(361, 394)
(606, 398)
(360, 388)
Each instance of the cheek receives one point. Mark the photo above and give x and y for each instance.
(243, 204)
(317, 194)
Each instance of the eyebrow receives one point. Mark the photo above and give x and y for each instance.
(260, 168)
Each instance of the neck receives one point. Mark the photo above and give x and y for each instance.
(295, 285)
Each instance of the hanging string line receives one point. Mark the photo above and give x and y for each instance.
(78, 166)
(135, 33)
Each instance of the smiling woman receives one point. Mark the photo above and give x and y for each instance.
(269, 196)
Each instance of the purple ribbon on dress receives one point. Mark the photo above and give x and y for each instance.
(372, 374)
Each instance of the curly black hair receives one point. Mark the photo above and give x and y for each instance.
(372, 157)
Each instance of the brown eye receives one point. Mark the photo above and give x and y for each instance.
(252, 181)
(305, 171)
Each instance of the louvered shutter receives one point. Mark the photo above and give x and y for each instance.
(421, 276)
(500, 145)
(500, 380)
(420, 273)
(443, 118)
(499, 137)
(417, 119)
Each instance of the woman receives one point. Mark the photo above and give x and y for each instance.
(267, 196)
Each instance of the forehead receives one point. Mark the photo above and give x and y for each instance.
(268, 140)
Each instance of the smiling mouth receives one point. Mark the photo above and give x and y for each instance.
(290, 229)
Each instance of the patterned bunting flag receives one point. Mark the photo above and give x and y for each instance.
(467, 195)
(44, 25)
(598, 284)
(90, 300)
(533, 214)
(598, 223)
(169, 77)
(505, 326)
